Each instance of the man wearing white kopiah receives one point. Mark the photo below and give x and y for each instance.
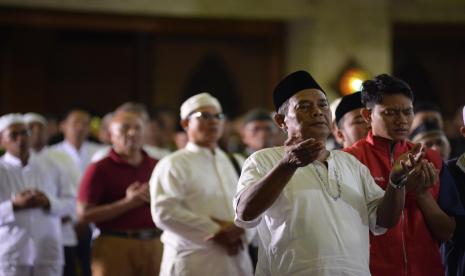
(37, 126)
(191, 192)
(34, 195)
(313, 207)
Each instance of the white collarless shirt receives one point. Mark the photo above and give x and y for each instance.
(75, 161)
(33, 236)
(306, 231)
(188, 188)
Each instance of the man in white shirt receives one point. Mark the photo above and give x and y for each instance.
(191, 193)
(75, 153)
(37, 126)
(34, 195)
(313, 207)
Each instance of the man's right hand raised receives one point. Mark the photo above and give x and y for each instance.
(406, 163)
(300, 153)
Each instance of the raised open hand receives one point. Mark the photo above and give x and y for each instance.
(300, 153)
(406, 163)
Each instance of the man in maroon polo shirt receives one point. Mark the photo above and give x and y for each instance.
(114, 194)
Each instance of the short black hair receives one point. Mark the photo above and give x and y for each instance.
(373, 91)
(72, 109)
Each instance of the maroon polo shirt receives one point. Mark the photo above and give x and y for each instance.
(106, 181)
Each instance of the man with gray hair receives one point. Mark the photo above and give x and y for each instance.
(191, 193)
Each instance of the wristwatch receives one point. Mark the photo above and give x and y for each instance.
(399, 184)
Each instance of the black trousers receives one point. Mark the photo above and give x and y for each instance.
(70, 261)
(83, 252)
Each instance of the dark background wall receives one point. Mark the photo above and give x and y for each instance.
(51, 61)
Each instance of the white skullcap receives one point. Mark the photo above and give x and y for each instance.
(197, 101)
(34, 118)
(10, 119)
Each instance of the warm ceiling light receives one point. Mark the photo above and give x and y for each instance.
(351, 80)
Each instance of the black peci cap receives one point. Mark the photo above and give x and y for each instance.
(347, 104)
(292, 84)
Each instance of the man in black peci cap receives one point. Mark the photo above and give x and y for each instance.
(430, 135)
(351, 126)
(313, 208)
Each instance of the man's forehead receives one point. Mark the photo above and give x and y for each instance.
(126, 118)
(395, 106)
(308, 94)
(18, 126)
(78, 114)
(396, 100)
(354, 113)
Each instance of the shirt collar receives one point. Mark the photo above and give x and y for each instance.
(117, 158)
(381, 142)
(196, 148)
(71, 148)
(12, 160)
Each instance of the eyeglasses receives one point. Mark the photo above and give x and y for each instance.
(15, 134)
(206, 116)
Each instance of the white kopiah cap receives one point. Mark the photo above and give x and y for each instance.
(34, 118)
(10, 119)
(197, 101)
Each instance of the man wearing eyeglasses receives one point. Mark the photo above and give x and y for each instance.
(34, 194)
(191, 192)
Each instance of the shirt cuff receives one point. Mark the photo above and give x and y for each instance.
(54, 204)
(7, 213)
(374, 227)
(247, 224)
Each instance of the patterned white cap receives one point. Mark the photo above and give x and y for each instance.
(197, 101)
(10, 119)
(34, 118)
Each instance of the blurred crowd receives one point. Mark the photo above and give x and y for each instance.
(148, 192)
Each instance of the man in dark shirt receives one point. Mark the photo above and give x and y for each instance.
(453, 251)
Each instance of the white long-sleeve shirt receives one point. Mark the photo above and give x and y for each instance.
(75, 163)
(188, 188)
(306, 231)
(33, 236)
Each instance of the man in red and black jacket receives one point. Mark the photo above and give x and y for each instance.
(412, 246)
